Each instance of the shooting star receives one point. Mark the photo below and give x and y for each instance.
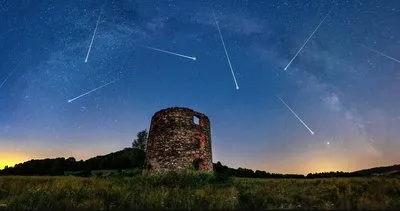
(312, 34)
(380, 53)
(94, 34)
(226, 52)
(75, 98)
(169, 52)
(312, 133)
(8, 76)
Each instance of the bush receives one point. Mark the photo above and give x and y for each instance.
(223, 178)
(85, 173)
(179, 180)
(132, 173)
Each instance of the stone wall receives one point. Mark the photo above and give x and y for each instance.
(177, 141)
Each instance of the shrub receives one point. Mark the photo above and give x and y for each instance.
(132, 173)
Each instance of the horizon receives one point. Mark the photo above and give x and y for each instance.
(2, 165)
(294, 87)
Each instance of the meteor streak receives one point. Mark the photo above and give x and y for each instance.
(226, 52)
(305, 43)
(75, 98)
(169, 52)
(8, 76)
(380, 53)
(312, 133)
(94, 34)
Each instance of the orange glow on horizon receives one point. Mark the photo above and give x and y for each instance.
(313, 161)
(10, 159)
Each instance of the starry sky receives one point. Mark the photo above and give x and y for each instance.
(343, 84)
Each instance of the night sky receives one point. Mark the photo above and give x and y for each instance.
(344, 83)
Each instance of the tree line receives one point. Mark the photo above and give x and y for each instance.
(249, 173)
(128, 158)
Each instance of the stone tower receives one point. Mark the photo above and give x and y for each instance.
(179, 138)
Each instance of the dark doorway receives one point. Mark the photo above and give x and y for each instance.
(198, 164)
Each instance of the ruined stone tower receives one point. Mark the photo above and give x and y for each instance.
(179, 138)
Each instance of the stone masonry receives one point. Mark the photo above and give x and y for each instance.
(179, 138)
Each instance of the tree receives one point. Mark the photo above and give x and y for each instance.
(71, 159)
(141, 141)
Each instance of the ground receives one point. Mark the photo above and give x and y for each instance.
(193, 190)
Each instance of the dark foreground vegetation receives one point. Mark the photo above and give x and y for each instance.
(193, 190)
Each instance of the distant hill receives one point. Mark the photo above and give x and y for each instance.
(384, 170)
(124, 159)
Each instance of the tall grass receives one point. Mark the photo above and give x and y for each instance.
(191, 190)
(333, 193)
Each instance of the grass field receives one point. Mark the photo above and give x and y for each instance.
(105, 173)
(197, 191)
